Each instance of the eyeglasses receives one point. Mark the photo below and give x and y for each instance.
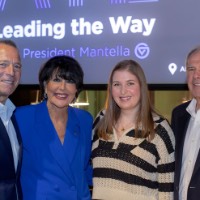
(6, 63)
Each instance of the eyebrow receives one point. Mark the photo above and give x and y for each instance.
(125, 80)
(10, 61)
(189, 66)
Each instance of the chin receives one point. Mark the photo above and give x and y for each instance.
(196, 93)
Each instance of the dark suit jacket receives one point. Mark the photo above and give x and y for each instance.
(9, 179)
(180, 121)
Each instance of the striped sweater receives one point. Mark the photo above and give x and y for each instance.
(133, 168)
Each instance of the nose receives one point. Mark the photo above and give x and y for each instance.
(123, 89)
(10, 69)
(63, 84)
(197, 73)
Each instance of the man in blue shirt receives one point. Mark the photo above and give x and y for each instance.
(10, 141)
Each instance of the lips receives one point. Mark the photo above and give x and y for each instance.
(125, 98)
(62, 96)
(9, 82)
(196, 84)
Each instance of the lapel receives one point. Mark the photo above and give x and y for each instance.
(180, 138)
(20, 143)
(72, 136)
(45, 128)
(5, 138)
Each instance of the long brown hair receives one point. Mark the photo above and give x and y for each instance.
(144, 122)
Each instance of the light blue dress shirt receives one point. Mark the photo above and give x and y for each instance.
(6, 111)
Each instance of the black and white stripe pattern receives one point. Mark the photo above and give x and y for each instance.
(131, 168)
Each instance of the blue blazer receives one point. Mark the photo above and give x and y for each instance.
(51, 170)
(180, 121)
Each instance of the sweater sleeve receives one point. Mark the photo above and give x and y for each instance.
(165, 143)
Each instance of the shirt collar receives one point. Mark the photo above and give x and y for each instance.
(191, 109)
(6, 110)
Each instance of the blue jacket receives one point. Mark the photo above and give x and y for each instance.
(51, 170)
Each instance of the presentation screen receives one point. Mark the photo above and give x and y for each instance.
(99, 33)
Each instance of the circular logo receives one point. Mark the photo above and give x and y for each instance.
(142, 50)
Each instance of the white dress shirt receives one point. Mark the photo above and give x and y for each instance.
(190, 150)
(6, 111)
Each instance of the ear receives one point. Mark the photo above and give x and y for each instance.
(45, 87)
(74, 100)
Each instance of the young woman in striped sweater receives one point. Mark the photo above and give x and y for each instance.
(133, 146)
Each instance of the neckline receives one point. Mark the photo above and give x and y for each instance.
(119, 135)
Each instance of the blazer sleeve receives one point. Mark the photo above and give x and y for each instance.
(86, 126)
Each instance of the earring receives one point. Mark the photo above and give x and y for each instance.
(45, 95)
(74, 100)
